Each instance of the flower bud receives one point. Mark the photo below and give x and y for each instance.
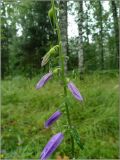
(67, 80)
(46, 57)
(56, 70)
(51, 16)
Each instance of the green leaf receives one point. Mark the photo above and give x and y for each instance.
(76, 137)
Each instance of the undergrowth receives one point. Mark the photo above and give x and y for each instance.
(24, 109)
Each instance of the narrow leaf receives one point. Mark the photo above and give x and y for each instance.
(76, 137)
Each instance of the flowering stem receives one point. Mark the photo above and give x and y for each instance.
(61, 56)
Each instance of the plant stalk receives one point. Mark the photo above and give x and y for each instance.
(61, 55)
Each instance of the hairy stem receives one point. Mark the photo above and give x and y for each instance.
(61, 55)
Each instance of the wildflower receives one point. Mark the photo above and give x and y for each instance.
(75, 91)
(52, 119)
(51, 146)
(43, 80)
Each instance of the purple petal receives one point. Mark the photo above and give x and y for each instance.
(43, 80)
(51, 146)
(52, 119)
(75, 91)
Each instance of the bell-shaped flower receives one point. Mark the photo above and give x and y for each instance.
(51, 146)
(43, 80)
(52, 119)
(75, 91)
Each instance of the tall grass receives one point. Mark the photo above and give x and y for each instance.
(25, 109)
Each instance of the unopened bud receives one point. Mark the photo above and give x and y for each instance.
(67, 80)
(56, 70)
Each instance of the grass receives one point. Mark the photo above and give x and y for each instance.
(25, 109)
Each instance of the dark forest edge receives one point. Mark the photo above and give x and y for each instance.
(22, 54)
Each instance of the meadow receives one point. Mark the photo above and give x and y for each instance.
(24, 110)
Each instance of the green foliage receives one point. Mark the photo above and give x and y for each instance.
(26, 35)
(96, 118)
(30, 38)
(76, 137)
(5, 35)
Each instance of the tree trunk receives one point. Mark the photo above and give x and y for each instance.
(116, 30)
(101, 35)
(63, 27)
(80, 39)
(87, 26)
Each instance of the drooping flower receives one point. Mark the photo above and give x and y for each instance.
(51, 146)
(43, 80)
(52, 119)
(75, 91)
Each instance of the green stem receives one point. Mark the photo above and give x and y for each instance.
(63, 74)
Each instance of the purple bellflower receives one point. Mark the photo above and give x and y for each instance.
(51, 146)
(52, 119)
(43, 80)
(75, 91)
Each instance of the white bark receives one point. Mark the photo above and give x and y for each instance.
(63, 27)
(80, 38)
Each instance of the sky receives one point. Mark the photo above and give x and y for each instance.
(72, 25)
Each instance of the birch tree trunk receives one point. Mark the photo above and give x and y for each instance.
(116, 30)
(80, 39)
(87, 19)
(63, 27)
(101, 34)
